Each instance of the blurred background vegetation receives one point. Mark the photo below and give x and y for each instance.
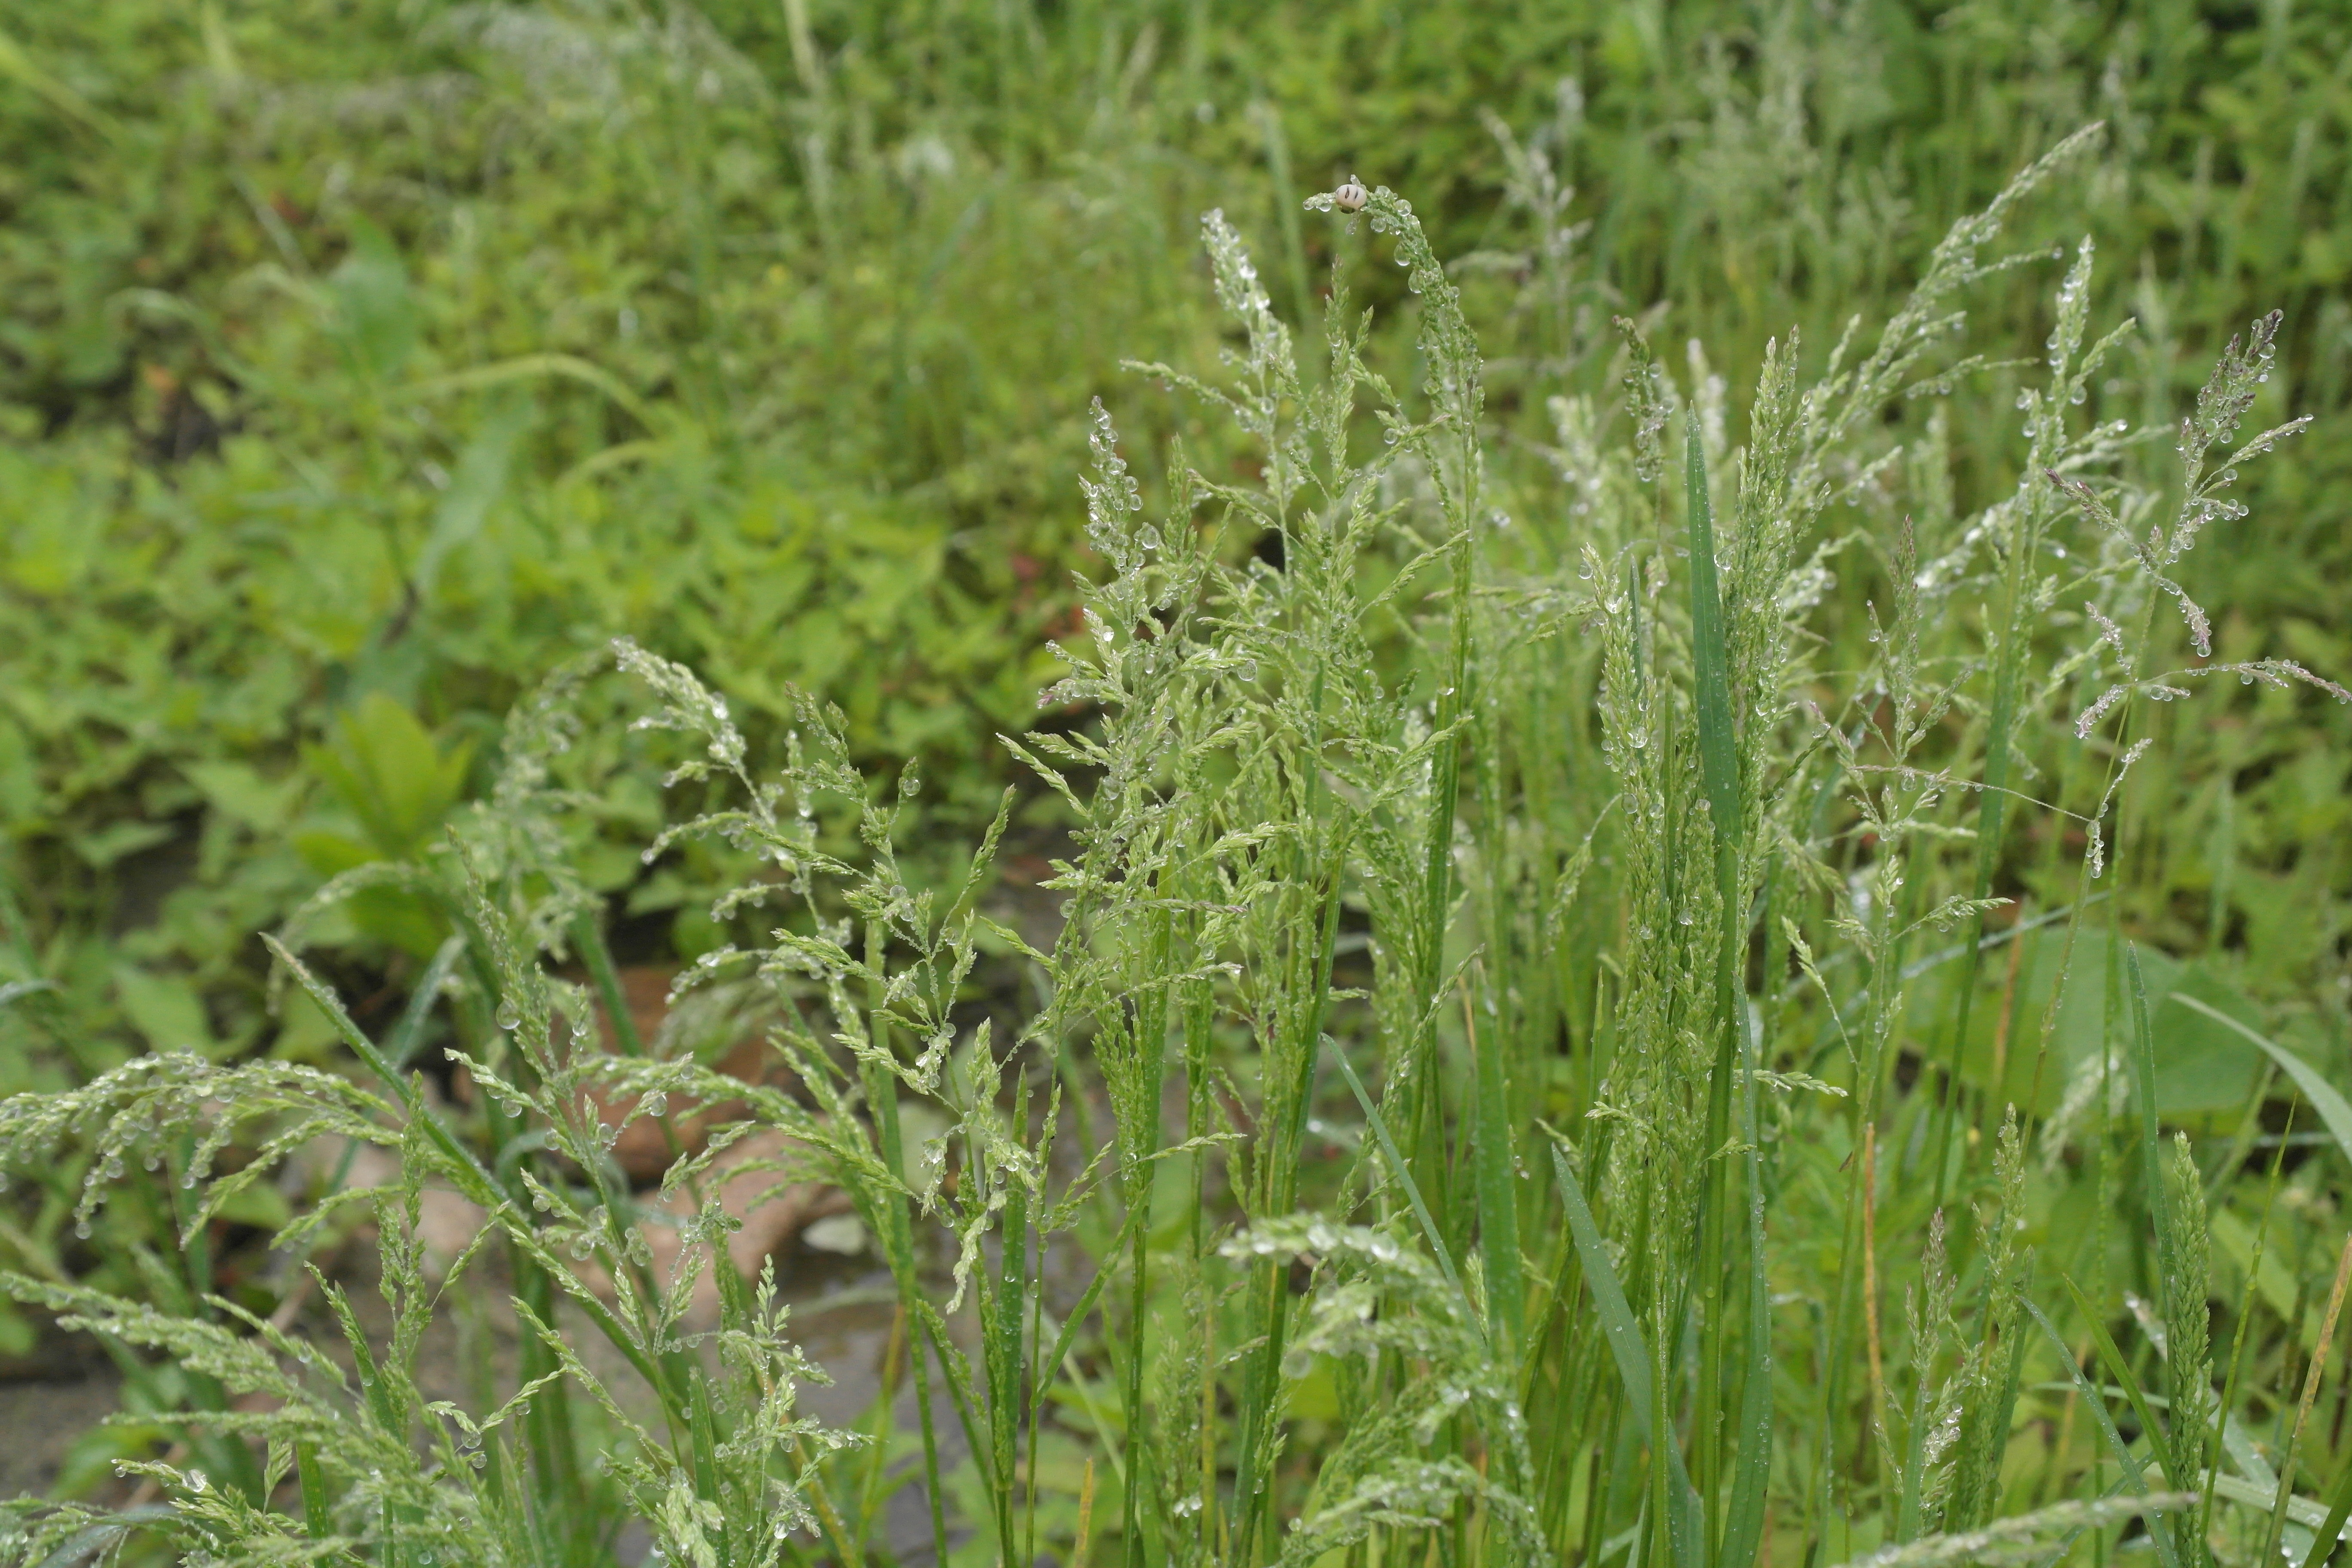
(363, 360)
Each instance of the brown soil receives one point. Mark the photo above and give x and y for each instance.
(39, 1419)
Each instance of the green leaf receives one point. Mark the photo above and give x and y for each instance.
(111, 843)
(375, 310)
(2333, 1109)
(238, 792)
(481, 476)
(167, 1009)
(384, 768)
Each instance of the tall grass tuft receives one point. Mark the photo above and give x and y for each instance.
(1499, 922)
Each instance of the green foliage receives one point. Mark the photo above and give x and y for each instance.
(1352, 739)
(1407, 719)
(404, 350)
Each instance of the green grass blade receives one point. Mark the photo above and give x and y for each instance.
(1437, 861)
(590, 944)
(16, 990)
(1404, 1173)
(1002, 1327)
(1743, 1529)
(2092, 1401)
(317, 1514)
(1627, 1345)
(1498, 1202)
(1617, 1321)
(2151, 1154)
(401, 1045)
(2334, 1110)
(2330, 1531)
(90, 1543)
(2119, 1368)
(21, 68)
(1719, 780)
(1050, 1368)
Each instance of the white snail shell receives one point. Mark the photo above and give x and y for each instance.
(1350, 198)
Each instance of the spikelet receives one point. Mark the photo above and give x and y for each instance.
(2188, 1284)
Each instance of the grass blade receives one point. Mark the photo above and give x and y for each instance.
(1719, 779)
(2330, 1530)
(2312, 1375)
(2093, 1401)
(2334, 1110)
(1627, 1344)
(407, 1035)
(1743, 1529)
(1404, 1173)
(1498, 1202)
(2120, 1370)
(2160, 1206)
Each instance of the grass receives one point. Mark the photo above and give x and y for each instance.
(362, 369)
(1504, 1368)
(1644, 970)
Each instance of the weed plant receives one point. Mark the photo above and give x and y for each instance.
(1586, 1074)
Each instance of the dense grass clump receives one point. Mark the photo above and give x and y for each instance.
(1602, 1005)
